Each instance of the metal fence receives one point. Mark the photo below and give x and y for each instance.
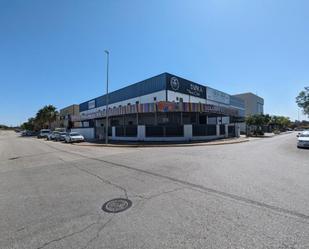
(222, 129)
(126, 131)
(204, 130)
(100, 132)
(231, 132)
(165, 131)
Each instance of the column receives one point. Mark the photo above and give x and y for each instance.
(187, 132)
(217, 130)
(237, 130)
(113, 132)
(226, 130)
(141, 132)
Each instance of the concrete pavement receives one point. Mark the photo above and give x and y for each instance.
(247, 195)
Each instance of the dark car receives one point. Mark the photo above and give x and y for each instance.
(28, 133)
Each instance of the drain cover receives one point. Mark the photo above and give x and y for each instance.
(116, 205)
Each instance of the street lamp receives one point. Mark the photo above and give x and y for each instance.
(106, 116)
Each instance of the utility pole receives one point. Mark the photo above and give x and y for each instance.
(106, 116)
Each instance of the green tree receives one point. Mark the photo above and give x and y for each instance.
(3, 127)
(302, 100)
(256, 122)
(279, 122)
(29, 125)
(45, 116)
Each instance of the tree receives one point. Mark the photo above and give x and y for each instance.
(45, 116)
(29, 125)
(4, 127)
(302, 100)
(43, 119)
(279, 122)
(256, 123)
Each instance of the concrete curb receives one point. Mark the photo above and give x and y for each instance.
(234, 141)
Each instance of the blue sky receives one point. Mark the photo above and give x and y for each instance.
(52, 52)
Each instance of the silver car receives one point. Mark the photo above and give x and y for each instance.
(74, 137)
(52, 135)
(43, 133)
(60, 136)
(303, 140)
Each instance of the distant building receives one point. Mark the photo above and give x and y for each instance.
(65, 115)
(253, 105)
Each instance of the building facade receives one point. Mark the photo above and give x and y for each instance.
(63, 119)
(161, 106)
(253, 105)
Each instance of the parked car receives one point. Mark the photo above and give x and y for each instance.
(74, 137)
(43, 133)
(60, 136)
(60, 129)
(27, 133)
(303, 140)
(52, 135)
(299, 133)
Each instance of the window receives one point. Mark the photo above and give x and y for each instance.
(180, 99)
(129, 104)
(137, 102)
(177, 98)
(154, 98)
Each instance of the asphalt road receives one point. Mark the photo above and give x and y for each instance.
(248, 195)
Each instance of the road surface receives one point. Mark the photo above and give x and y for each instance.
(248, 195)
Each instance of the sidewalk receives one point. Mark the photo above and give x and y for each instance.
(163, 144)
(269, 135)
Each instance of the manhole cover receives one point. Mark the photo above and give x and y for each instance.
(117, 205)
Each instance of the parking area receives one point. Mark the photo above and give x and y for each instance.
(246, 195)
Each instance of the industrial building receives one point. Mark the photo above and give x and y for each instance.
(63, 119)
(162, 108)
(253, 105)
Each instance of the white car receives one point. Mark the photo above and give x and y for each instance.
(52, 135)
(303, 140)
(74, 137)
(43, 133)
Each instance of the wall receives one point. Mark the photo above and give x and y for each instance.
(70, 110)
(253, 103)
(172, 96)
(142, 88)
(141, 136)
(218, 96)
(149, 98)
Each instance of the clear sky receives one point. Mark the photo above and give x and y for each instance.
(52, 51)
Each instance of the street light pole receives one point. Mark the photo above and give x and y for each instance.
(106, 116)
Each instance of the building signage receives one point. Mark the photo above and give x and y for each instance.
(177, 84)
(161, 106)
(174, 83)
(218, 96)
(91, 104)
